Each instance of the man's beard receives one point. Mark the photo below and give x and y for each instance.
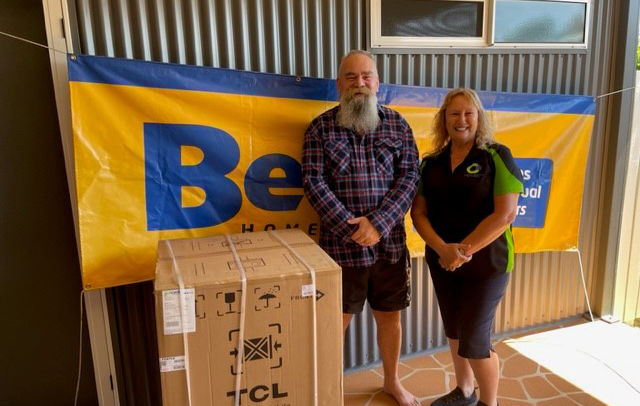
(359, 113)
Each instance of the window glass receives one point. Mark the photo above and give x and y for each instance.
(426, 18)
(540, 22)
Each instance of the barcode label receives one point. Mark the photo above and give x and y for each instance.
(307, 290)
(179, 318)
(168, 364)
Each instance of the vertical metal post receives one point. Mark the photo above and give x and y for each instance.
(58, 27)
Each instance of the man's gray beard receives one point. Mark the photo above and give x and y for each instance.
(358, 114)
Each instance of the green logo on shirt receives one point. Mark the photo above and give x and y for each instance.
(473, 168)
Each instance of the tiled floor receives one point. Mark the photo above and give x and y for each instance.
(552, 378)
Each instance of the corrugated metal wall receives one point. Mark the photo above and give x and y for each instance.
(295, 37)
(505, 72)
(308, 37)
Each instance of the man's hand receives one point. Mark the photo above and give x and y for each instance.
(366, 235)
(452, 256)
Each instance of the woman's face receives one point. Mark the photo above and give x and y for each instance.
(461, 118)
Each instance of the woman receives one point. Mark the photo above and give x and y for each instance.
(466, 201)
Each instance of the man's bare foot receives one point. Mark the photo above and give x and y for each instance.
(400, 394)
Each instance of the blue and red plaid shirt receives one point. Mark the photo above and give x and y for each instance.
(347, 175)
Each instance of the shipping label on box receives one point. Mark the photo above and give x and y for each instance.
(273, 354)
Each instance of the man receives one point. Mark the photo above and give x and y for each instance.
(360, 173)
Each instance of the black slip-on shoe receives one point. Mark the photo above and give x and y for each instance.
(456, 398)
(481, 403)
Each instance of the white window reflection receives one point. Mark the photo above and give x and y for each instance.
(411, 18)
(540, 22)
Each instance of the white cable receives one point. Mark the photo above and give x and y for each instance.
(243, 304)
(75, 402)
(183, 306)
(30, 42)
(312, 272)
(614, 92)
(584, 286)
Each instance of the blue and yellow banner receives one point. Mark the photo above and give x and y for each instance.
(170, 151)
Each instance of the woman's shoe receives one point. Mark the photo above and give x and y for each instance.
(456, 398)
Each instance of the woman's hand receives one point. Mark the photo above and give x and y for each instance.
(452, 255)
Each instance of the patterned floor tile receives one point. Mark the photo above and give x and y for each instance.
(539, 388)
(424, 362)
(561, 384)
(425, 383)
(558, 401)
(518, 366)
(382, 399)
(362, 382)
(444, 358)
(356, 400)
(511, 388)
(403, 370)
(585, 399)
(513, 402)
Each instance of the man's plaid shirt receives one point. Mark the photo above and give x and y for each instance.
(346, 175)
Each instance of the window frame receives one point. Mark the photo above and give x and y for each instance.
(380, 42)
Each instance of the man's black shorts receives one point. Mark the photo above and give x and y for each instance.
(386, 286)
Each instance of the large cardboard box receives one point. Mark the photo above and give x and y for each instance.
(199, 327)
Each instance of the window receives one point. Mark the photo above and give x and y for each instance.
(479, 23)
(552, 22)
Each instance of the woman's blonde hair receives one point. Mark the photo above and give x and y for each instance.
(484, 133)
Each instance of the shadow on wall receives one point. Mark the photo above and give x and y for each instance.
(40, 274)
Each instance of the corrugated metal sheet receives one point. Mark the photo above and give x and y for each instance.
(308, 37)
(297, 37)
(508, 72)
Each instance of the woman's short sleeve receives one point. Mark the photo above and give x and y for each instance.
(508, 178)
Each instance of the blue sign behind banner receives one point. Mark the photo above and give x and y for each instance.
(533, 201)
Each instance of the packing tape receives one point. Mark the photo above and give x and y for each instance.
(243, 305)
(183, 306)
(312, 272)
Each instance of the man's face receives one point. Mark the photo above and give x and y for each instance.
(358, 77)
